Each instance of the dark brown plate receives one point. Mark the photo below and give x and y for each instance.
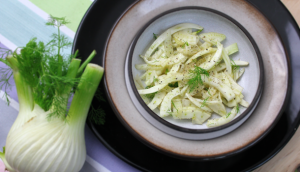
(92, 35)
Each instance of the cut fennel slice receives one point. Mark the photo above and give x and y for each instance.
(212, 37)
(231, 49)
(223, 120)
(164, 35)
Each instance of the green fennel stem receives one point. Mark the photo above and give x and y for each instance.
(88, 60)
(62, 97)
(60, 61)
(76, 53)
(72, 73)
(44, 76)
(58, 43)
(84, 94)
(24, 91)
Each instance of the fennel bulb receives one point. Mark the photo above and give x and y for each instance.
(37, 144)
(47, 136)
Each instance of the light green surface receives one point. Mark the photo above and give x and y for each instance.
(73, 10)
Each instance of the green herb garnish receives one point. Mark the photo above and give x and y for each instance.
(228, 114)
(174, 105)
(175, 84)
(237, 108)
(234, 66)
(167, 71)
(155, 79)
(155, 50)
(196, 77)
(151, 95)
(204, 102)
(198, 31)
(154, 36)
(185, 44)
(207, 91)
(169, 112)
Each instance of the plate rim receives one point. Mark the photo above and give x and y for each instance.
(259, 163)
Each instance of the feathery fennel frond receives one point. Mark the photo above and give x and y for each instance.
(196, 77)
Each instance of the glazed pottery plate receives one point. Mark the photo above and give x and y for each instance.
(130, 147)
(212, 21)
(272, 98)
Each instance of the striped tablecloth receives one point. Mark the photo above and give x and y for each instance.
(21, 20)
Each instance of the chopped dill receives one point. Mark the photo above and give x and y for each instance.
(154, 36)
(151, 95)
(217, 63)
(207, 89)
(155, 50)
(198, 31)
(237, 108)
(167, 71)
(196, 77)
(175, 84)
(155, 79)
(234, 66)
(169, 112)
(174, 105)
(228, 114)
(185, 44)
(204, 102)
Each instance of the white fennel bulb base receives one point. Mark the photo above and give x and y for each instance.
(37, 143)
(43, 145)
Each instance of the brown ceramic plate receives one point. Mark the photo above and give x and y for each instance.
(212, 21)
(272, 99)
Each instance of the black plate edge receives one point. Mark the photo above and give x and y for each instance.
(287, 98)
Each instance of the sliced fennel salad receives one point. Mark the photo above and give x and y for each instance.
(190, 75)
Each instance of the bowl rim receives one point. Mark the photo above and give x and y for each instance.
(252, 105)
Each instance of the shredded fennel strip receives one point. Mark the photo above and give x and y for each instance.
(164, 35)
(171, 62)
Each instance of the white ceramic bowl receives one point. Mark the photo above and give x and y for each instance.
(212, 21)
